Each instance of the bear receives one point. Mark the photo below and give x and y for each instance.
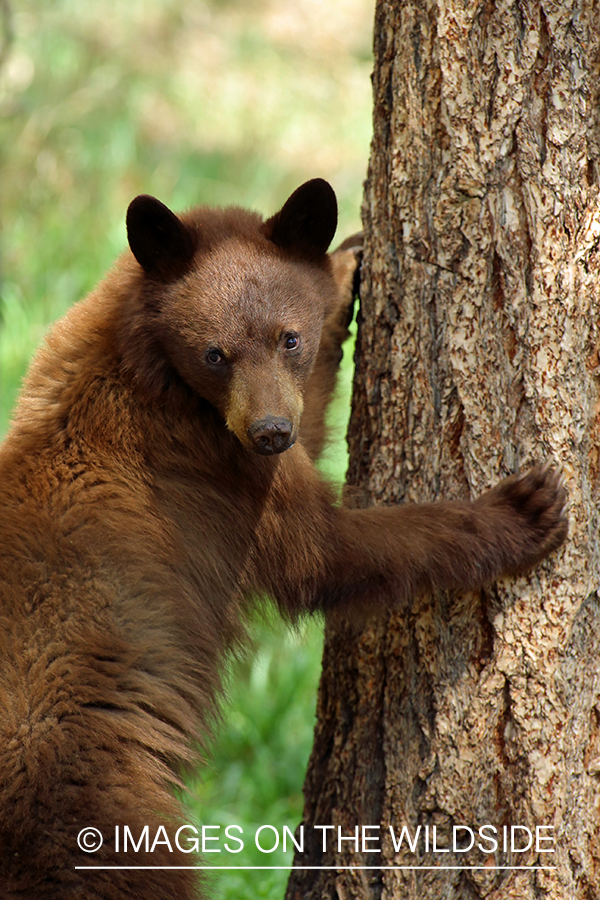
(157, 475)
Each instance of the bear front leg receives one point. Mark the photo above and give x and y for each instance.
(385, 555)
(454, 544)
(321, 383)
(86, 766)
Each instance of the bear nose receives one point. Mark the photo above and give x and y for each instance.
(271, 435)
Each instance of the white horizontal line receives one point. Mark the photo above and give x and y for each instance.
(326, 868)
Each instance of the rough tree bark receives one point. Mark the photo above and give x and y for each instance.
(477, 354)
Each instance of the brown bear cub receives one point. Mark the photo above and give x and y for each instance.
(157, 474)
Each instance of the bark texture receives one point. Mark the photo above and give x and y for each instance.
(477, 355)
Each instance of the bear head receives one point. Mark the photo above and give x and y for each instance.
(234, 306)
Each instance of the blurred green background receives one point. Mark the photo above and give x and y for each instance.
(216, 102)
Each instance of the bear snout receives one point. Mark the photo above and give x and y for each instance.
(271, 435)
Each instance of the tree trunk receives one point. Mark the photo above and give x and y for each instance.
(477, 355)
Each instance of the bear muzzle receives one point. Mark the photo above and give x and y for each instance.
(271, 435)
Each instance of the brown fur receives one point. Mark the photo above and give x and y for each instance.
(139, 510)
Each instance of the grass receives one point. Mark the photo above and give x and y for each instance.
(255, 776)
(229, 101)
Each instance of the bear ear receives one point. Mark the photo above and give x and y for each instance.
(160, 242)
(307, 221)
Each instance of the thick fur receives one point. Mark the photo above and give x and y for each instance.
(148, 489)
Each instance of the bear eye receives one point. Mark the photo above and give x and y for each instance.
(291, 340)
(215, 356)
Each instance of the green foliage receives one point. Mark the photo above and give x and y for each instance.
(196, 102)
(255, 776)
